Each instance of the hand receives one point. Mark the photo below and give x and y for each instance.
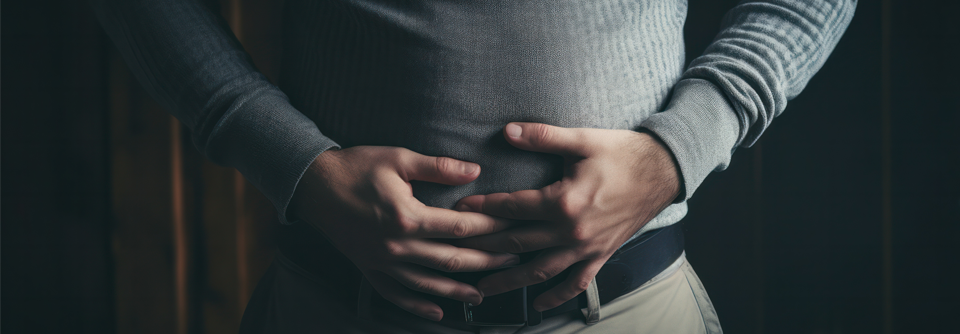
(614, 182)
(361, 199)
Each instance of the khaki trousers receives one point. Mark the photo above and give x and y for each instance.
(289, 300)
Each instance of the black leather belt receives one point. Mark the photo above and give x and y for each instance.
(630, 267)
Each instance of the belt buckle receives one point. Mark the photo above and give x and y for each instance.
(506, 309)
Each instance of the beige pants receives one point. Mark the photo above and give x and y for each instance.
(292, 302)
(674, 302)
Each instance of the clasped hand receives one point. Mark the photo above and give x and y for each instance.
(614, 182)
(361, 199)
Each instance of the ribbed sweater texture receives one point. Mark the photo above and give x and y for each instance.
(442, 78)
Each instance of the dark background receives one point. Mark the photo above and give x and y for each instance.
(844, 218)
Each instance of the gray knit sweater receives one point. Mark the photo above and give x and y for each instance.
(443, 77)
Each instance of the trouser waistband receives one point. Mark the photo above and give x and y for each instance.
(631, 266)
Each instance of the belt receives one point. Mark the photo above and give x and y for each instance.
(628, 268)
(634, 264)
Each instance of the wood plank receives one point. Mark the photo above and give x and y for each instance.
(142, 201)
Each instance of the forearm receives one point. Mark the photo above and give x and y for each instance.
(764, 55)
(187, 58)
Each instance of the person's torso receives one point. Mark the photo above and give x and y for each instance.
(442, 78)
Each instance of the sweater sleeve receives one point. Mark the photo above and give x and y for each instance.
(187, 58)
(764, 55)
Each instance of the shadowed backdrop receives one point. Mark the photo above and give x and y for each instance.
(843, 218)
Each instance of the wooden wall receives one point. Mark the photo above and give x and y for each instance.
(843, 219)
(191, 238)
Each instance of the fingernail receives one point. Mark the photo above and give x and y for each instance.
(514, 260)
(481, 291)
(513, 130)
(538, 308)
(477, 299)
(469, 168)
(435, 315)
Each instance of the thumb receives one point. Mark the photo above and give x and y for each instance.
(439, 169)
(539, 137)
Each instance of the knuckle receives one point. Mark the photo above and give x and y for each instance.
(399, 151)
(398, 154)
(580, 234)
(444, 165)
(405, 223)
(451, 263)
(379, 215)
(422, 285)
(538, 275)
(571, 206)
(394, 248)
(460, 229)
(540, 134)
(582, 284)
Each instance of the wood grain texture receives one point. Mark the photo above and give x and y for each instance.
(192, 238)
(142, 201)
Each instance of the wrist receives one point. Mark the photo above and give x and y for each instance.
(318, 176)
(668, 174)
(701, 130)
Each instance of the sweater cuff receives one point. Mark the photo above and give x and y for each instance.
(701, 129)
(271, 143)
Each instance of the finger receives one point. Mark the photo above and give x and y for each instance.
(531, 204)
(443, 223)
(422, 280)
(449, 258)
(516, 240)
(396, 293)
(581, 274)
(442, 170)
(539, 137)
(545, 266)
